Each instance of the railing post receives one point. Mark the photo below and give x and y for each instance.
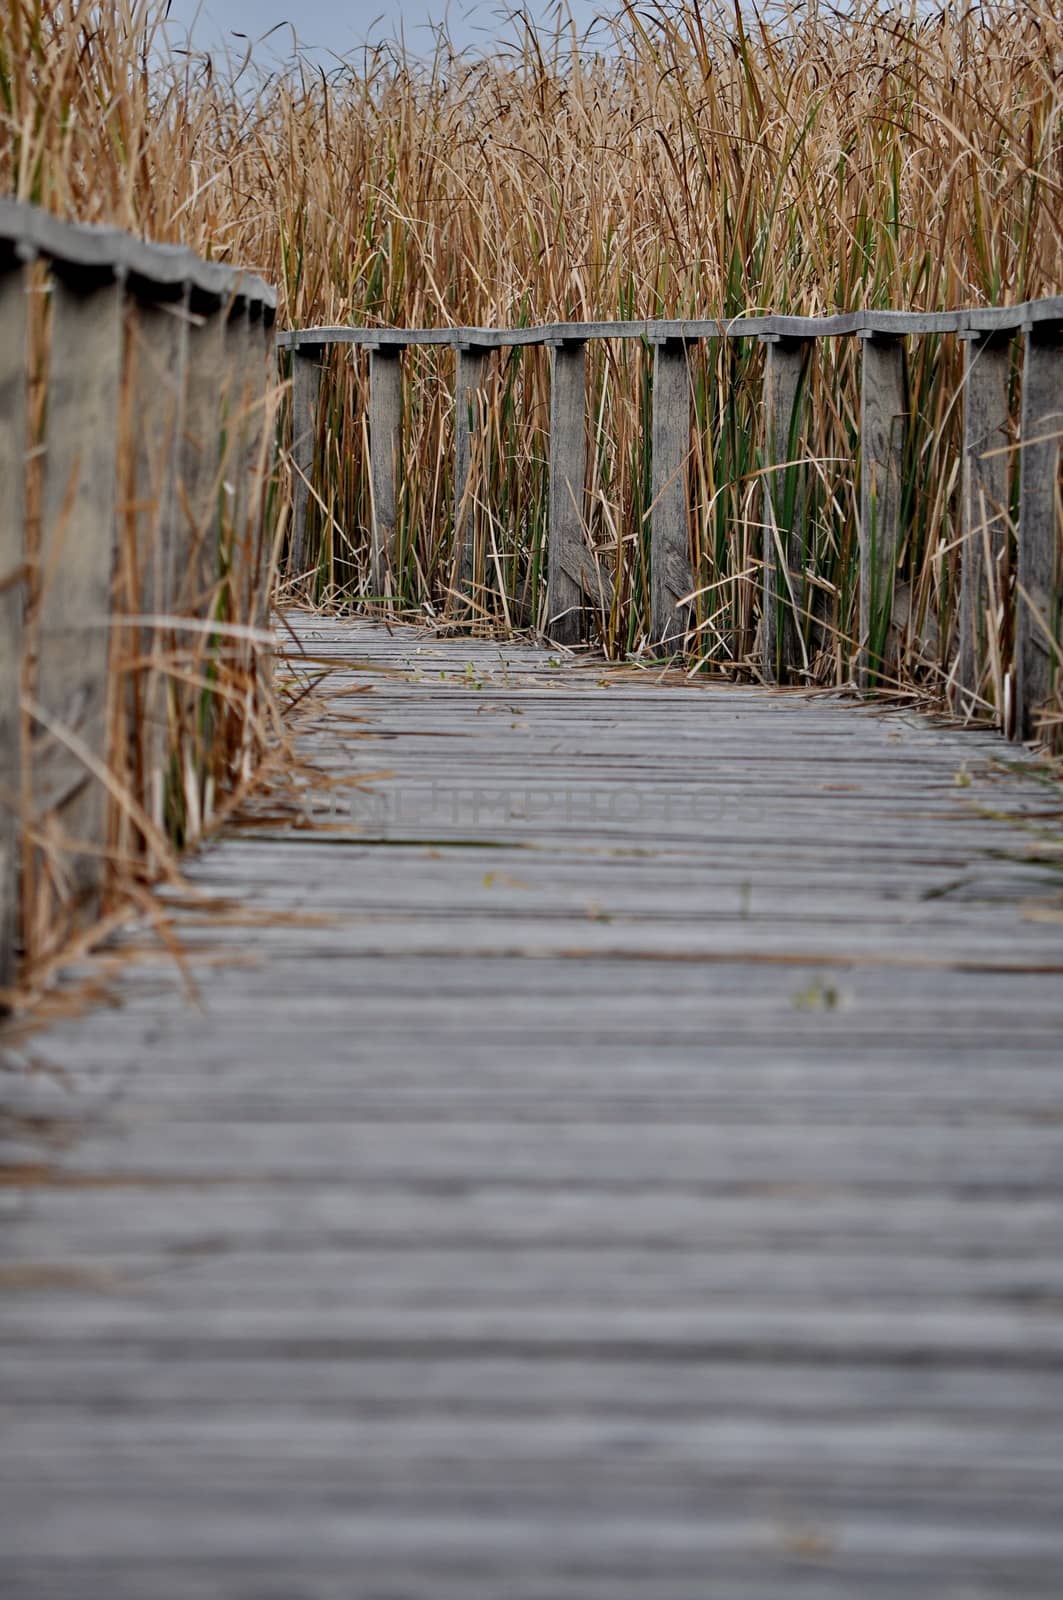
(566, 556)
(158, 358)
(78, 520)
(883, 416)
(671, 579)
(469, 381)
(13, 386)
(237, 429)
(266, 466)
(255, 540)
(306, 395)
(783, 586)
(984, 507)
(1039, 560)
(385, 443)
(200, 466)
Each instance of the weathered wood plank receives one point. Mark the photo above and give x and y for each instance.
(385, 443)
(305, 398)
(783, 579)
(1039, 560)
(883, 411)
(984, 507)
(260, 558)
(671, 575)
(470, 376)
(201, 460)
(157, 332)
(568, 561)
(13, 420)
(602, 1164)
(894, 324)
(78, 531)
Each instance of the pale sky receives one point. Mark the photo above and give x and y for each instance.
(342, 26)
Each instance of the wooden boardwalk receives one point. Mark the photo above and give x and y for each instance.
(621, 1154)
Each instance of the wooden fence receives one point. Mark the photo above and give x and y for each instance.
(572, 574)
(178, 352)
(122, 364)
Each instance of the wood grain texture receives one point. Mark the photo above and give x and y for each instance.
(157, 335)
(895, 324)
(78, 533)
(13, 392)
(568, 562)
(385, 439)
(470, 376)
(985, 504)
(260, 557)
(671, 577)
(306, 390)
(783, 580)
(615, 1151)
(1040, 538)
(200, 475)
(883, 409)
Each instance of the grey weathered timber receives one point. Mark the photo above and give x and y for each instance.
(86, 250)
(77, 546)
(984, 506)
(258, 559)
(894, 324)
(157, 331)
(783, 587)
(470, 374)
(13, 390)
(569, 565)
(385, 443)
(883, 408)
(306, 394)
(620, 1159)
(239, 436)
(158, 358)
(98, 390)
(1039, 556)
(200, 466)
(671, 576)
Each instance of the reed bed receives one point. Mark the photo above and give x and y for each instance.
(710, 160)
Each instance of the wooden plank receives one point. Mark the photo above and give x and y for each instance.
(671, 574)
(470, 376)
(78, 529)
(985, 508)
(891, 324)
(87, 250)
(542, 1163)
(1037, 639)
(235, 487)
(783, 585)
(201, 459)
(13, 391)
(261, 557)
(882, 434)
(385, 444)
(568, 561)
(157, 334)
(306, 393)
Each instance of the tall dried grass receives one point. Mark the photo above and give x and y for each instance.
(711, 162)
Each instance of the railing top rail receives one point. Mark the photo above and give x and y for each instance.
(975, 320)
(27, 232)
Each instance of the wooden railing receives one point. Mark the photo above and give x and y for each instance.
(183, 350)
(573, 575)
(110, 455)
